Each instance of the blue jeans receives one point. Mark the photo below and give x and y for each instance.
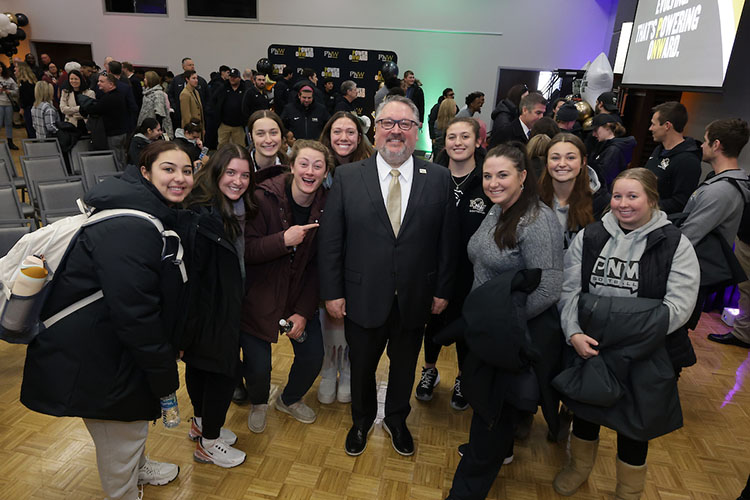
(308, 358)
(6, 117)
(30, 132)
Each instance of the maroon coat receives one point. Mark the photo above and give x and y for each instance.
(280, 281)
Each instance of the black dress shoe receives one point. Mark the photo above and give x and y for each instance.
(356, 441)
(240, 396)
(400, 438)
(727, 338)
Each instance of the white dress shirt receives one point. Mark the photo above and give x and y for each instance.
(405, 179)
(526, 129)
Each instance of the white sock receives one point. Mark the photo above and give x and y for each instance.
(207, 443)
(198, 421)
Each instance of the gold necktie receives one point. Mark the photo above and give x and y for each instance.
(393, 204)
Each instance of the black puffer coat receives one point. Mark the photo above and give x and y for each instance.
(113, 359)
(211, 340)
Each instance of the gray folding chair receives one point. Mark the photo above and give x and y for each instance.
(60, 194)
(43, 168)
(95, 165)
(82, 146)
(7, 178)
(41, 147)
(11, 231)
(10, 208)
(50, 216)
(10, 166)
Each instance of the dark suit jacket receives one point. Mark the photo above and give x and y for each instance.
(135, 84)
(511, 132)
(362, 261)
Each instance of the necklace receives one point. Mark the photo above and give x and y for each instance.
(459, 184)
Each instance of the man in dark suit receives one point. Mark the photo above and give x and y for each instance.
(176, 87)
(533, 106)
(128, 71)
(387, 255)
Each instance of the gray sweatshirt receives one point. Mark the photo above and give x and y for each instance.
(539, 246)
(616, 271)
(716, 203)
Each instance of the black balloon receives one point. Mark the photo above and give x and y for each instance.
(389, 69)
(263, 66)
(22, 20)
(20, 34)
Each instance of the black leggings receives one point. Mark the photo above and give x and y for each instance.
(210, 394)
(629, 450)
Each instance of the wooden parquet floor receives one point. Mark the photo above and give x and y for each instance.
(49, 458)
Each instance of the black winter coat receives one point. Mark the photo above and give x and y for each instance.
(504, 114)
(678, 172)
(211, 339)
(305, 123)
(612, 157)
(113, 359)
(631, 385)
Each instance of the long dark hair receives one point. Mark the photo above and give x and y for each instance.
(84, 81)
(363, 149)
(206, 189)
(580, 203)
(507, 225)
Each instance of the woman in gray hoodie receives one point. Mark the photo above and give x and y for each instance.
(619, 270)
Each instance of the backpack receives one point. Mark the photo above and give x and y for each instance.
(20, 320)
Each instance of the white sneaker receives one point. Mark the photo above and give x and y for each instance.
(256, 419)
(298, 410)
(219, 453)
(157, 473)
(196, 432)
(344, 393)
(327, 390)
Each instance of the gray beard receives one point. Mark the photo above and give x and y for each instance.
(394, 159)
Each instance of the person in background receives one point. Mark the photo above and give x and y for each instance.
(26, 82)
(282, 91)
(414, 92)
(332, 97)
(536, 150)
(532, 110)
(176, 85)
(69, 106)
(614, 149)
(147, 132)
(256, 97)
(128, 73)
(189, 138)
(156, 103)
(121, 344)
(519, 232)
(228, 105)
(191, 105)
(566, 117)
(676, 160)
(344, 137)
(347, 98)
(281, 258)
(266, 138)
(111, 106)
(474, 103)
(463, 157)
(305, 117)
(508, 109)
(448, 93)
(43, 114)
(8, 91)
(544, 125)
(222, 199)
(657, 262)
(446, 113)
(52, 76)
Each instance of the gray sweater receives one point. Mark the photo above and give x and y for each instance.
(540, 245)
(716, 204)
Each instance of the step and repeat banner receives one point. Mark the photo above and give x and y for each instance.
(360, 66)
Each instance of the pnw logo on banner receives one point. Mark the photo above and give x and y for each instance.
(304, 52)
(385, 57)
(331, 54)
(616, 273)
(331, 72)
(358, 56)
(277, 51)
(358, 75)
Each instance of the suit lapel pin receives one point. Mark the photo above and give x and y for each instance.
(422, 170)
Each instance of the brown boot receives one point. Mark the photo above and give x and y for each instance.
(578, 468)
(630, 481)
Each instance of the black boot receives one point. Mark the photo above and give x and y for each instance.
(11, 145)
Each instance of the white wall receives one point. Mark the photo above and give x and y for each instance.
(535, 34)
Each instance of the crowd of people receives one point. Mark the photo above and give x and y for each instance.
(534, 248)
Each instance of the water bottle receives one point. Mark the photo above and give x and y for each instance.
(170, 413)
(203, 154)
(286, 327)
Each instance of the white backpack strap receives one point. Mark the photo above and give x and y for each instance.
(109, 214)
(73, 308)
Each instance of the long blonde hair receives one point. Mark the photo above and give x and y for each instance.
(446, 112)
(25, 74)
(42, 93)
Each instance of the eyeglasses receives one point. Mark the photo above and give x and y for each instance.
(404, 124)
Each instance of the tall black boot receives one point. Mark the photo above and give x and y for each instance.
(11, 145)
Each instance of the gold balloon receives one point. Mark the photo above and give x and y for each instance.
(587, 125)
(12, 17)
(584, 110)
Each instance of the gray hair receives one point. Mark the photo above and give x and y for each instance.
(347, 86)
(402, 100)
